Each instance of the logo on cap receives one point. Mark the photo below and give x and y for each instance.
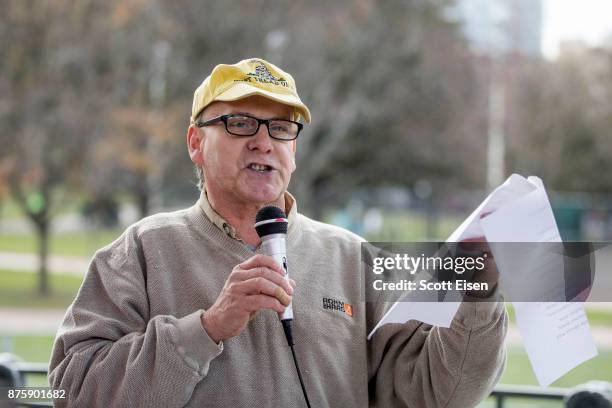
(263, 75)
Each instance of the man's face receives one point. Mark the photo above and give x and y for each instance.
(229, 162)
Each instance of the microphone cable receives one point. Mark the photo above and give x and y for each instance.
(289, 337)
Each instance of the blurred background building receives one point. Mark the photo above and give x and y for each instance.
(501, 26)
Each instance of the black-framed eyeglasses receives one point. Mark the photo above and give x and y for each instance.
(246, 125)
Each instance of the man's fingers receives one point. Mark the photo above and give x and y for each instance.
(482, 238)
(265, 273)
(259, 285)
(254, 303)
(477, 246)
(262, 260)
(282, 296)
(292, 283)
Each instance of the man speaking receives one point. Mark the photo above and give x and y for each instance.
(183, 308)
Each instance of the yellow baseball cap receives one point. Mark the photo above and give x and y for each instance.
(253, 76)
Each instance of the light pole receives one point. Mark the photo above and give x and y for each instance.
(155, 146)
(276, 41)
(496, 146)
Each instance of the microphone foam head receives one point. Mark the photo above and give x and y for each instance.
(270, 220)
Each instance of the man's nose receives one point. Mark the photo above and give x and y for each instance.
(261, 140)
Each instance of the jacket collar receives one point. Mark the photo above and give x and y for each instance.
(226, 227)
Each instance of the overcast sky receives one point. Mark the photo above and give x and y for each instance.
(589, 20)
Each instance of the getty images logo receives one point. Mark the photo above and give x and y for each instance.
(333, 304)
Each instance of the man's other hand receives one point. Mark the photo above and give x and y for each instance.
(489, 275)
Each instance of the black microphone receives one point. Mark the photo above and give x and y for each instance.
(271, 226)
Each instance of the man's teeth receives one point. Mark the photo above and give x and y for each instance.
(259, 167)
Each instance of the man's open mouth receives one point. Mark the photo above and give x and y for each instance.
(261, 168)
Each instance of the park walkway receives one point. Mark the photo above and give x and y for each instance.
(28, 262)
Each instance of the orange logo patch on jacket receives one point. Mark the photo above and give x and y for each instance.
(334, 304)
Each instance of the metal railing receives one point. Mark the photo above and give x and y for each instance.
(13, 374)
(502, 393)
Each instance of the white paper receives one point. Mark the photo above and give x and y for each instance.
(556, 335)
(434, 313)
(526, 271)
(442, 313)
(514, 187)
(415, 307)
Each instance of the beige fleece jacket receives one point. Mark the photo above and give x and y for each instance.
(133, 337)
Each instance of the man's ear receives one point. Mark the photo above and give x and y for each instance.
(195, 138)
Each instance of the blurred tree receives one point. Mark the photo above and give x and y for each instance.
(97, 94)
(391, 90)
(390, 87)
(3, 185)
(154, 53)
(131, 158)
(46, 123)
(564, 112)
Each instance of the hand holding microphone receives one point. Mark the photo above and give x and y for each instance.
(256, 284)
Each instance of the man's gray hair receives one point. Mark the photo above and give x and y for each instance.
(200, 176)
(198, 170)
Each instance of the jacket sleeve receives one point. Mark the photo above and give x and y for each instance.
(110, 353)
(416, 365)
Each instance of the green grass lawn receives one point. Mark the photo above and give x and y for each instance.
(401, 227)
(10, 210)
(518, 370)
(408, 227)
(35, 349)
(19, 290)
(73, 244)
